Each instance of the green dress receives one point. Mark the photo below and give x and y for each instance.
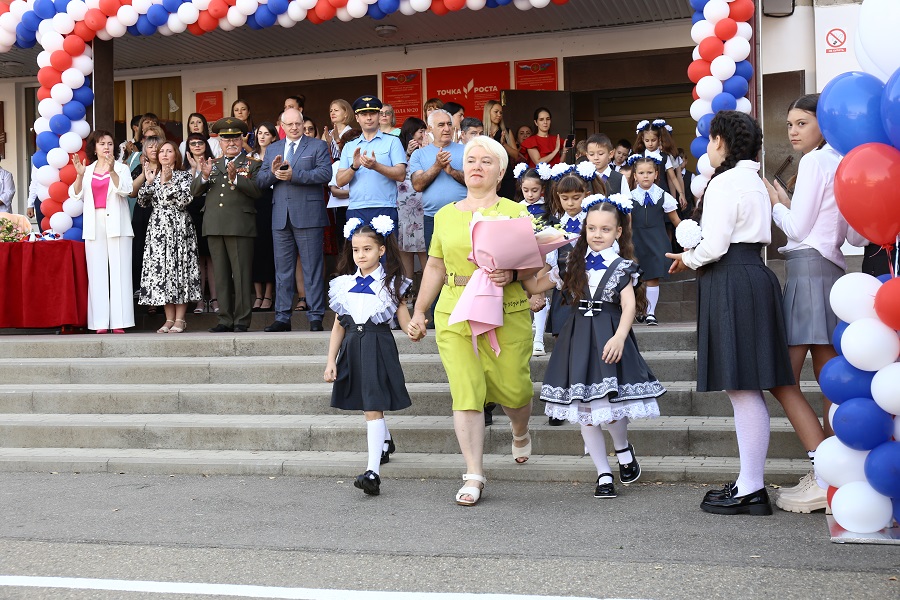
(485, 377)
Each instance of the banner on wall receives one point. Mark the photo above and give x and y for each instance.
(538, 74)
(210, 105)
(469, 85)
(835, 42)
(403, 91)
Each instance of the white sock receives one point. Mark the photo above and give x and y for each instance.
(652, 299)
(751, 423)
(375, 437)
(618, 431)
(387, 436)
(540, 323)
(596, 447)
(812, 459)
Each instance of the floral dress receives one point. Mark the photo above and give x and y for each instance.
(411, 214)
(170, 273)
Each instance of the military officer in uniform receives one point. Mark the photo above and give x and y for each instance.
(229, 223)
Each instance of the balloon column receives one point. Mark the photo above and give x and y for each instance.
(720, 70)
(65, 28)
(859, 115)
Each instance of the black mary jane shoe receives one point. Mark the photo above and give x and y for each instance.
(755, 503)
(630, 472)
(605, 490)
(555, 422)
(369, 482)
(386, 454)
(728, 488)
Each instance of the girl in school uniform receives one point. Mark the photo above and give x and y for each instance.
(530, 194)
(596, 376)
(655, 140)
(363, 362)
(741, 340)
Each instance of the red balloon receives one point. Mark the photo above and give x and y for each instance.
(50, 207)
(829, 494)
(82, 155)
(195, 29)
(60, 60)
(455, 4)
(48, 76)
(4, 8)
(324, 10)
(45, 222)
(338, 3)
(110, 7)
(218, 9)
(867, 190)
(230, 2)
(726, 29)
(313, 18)
(73, 44)
(67, 174)
(438, 7)
(84, 32)
(207, 22)
(95, 19)
(43, 93)
(560, 2)
(694, 93)
(711, 48)
(698, 70)
(887, 303)
(59, 192)
(741, 10)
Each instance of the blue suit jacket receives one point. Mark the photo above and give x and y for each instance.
(303, 196)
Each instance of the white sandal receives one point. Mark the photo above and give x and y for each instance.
(470, 490)
(525, 451)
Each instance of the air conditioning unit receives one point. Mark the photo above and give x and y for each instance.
(778, 8)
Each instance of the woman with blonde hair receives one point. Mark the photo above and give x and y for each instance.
(340, 112)
(496, 129)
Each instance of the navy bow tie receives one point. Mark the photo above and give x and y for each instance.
(594, 262)
(536, 209)
(362, 285)
(573, 226)
(604, 178)
(648, 201)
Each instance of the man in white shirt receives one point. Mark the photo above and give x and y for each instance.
(7, 190)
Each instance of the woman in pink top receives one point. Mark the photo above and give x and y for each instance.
(104, 186)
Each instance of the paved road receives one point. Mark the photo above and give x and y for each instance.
(322, 534)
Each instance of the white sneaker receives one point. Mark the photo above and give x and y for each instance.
(538, 349)
(803, 500)
(804, 482)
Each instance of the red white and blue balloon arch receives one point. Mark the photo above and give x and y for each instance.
(65, 29)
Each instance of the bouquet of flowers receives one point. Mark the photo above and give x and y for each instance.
(500, 242)
(12, 229)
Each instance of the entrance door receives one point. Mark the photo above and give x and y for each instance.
(519, 107)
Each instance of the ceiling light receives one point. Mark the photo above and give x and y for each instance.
(386, 31)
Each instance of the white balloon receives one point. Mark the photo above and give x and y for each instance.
(406, 8)
(357, 8)
(744, 105)
(839, 465)
(699, 108)
(92, 4)
(142, 6)
(164, 30)
(58, 158)
(715, 11)
(420, 5)
(866, 63)
(175, 24)
(539, 3)
(47, 175)
(737, 48)
(698, 184)
(284, 19)
(60, 222)
(831, 410)
(876, 30)
(870, 345)
(187, 14)
(61, 93)
(200, 4)
(127, 15)
(709, 87)
(305, 4)
(85, 64)
(702, 30)
(18, 8)
(76, 9)
(41, 124)
(82, 128)
(44, 26)
(73, 207)
(723, 67)
(70, 142)
(853, 297)
(42, 191)
(224, 25)
(103, 34)
(343, 15)
(745, 30)
(8, 22)
(479, 4)
(63, 23)
(73, 78)
(246, 7)
(88, 51)
(522, 4)
(885, 386)
(43, 58)
(695, 54)
(115, 28)
(296, 11)
(49, 107)
(705, 168)
(7, 38)
(236, 17)
(857, 507)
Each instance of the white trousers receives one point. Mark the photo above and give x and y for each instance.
(110, 295)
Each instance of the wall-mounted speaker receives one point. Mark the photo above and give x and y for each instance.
(778, 8)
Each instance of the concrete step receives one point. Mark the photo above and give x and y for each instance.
(429, 399)
(345, 465)
(665, 436)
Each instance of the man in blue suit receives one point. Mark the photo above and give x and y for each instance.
(297, 167)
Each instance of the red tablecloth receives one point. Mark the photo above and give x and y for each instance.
(44, 284)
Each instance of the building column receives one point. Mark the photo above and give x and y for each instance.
(102, 83)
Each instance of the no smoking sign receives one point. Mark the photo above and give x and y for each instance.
(836, 39)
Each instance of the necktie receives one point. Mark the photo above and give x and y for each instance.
(594, 262)
(604, 178)
(648, 201)
(362, 285)
(290, 153)
(573, 226)
(536, 209)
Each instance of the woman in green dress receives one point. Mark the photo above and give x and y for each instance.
(476, 379)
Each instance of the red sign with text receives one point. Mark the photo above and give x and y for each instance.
(469, 85)
(403, 91)
(210, 105)
(537, 74)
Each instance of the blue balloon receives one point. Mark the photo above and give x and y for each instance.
(697, 17)
(60, 124)
(699, 5)
(736, 86)
(78, 221)
(723, 101)
(251, 22)
(883, 471)
(861, 424)
(24, 34)
(264, 16)
(84, 95)
(503, 2)
(698, 146)
(890, 109)
(388, 6)
(703, 125)
(39, 159)
(47, 141)
(157, 15)
(491, 3)
(849, 111)
(61, 5)
(837, 334)
(145, 26)
(278, 7)
(171, 5)
(25, 42)
(884, 278)
(840, 381)
(375, 12)
(74, 110)
(45, 9)
(133, 30)
(30, 20)
(76, 234)
(744, 69)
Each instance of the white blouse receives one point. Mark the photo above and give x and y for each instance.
(380, 306)
(736, 210)
(669, 203)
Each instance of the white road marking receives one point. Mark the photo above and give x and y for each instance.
(248, 591)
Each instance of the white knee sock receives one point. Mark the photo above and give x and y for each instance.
(540, 323)
(596, 447)
(375, 437)
(751, 423)
(618, 431)
(387, 435)
(652, 299)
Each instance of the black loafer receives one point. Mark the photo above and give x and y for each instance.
(555, 422)
(728, 488)
(369, 482)
(315, 326)
(630, 472)
(220, 329)
(241, 328)
(605, 490)
(755, 503)
(278, 326)
(386, 454)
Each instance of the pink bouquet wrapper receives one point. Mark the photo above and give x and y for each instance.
(498, 244)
